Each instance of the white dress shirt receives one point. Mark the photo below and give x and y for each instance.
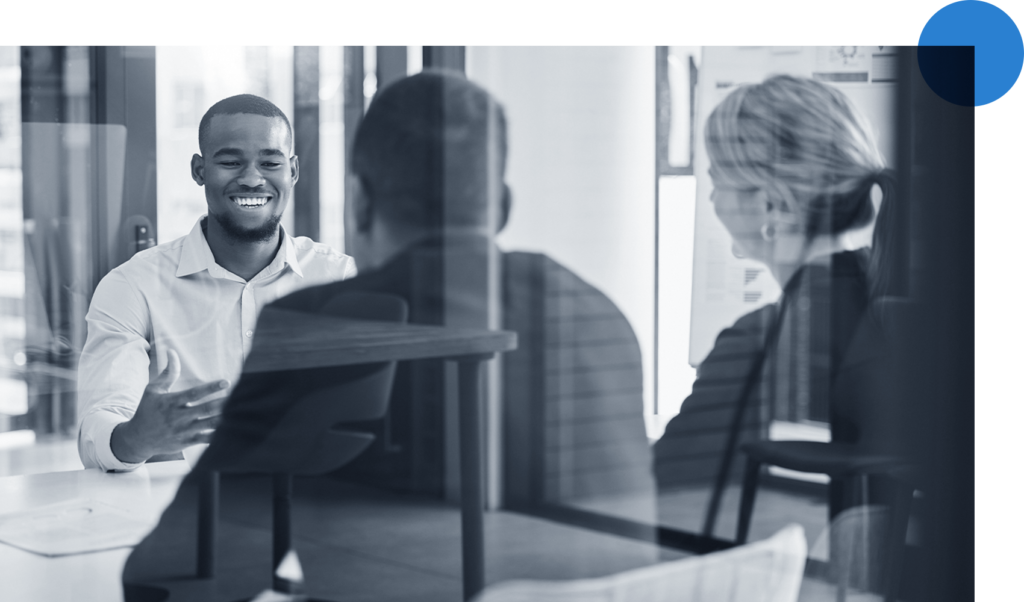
(175, 296)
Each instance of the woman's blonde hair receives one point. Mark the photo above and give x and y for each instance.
(803, 142)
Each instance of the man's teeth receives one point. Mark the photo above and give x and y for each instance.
(250, 201)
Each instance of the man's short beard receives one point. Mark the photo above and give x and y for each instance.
(262, 233)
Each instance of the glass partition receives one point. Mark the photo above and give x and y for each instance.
(13, 389)
(622, 285)
(681, 238)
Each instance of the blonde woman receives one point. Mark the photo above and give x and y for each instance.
(793, 165)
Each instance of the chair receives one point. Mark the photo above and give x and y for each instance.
(307, 435)
(863, 389)
(766, 571)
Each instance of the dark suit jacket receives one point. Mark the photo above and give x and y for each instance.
(573, 389)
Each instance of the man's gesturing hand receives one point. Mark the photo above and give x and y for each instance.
(168, 422)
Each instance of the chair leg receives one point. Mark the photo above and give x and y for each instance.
(282, 483)
(842, 583)
(750, 482)
(209, 505)
(896, 538)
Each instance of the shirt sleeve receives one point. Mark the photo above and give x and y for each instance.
(113, 371)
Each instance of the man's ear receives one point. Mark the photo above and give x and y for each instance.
(362, 205)
(198, 169)
(294, 162)
(505, 206)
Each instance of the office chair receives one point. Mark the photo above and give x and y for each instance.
(862, 396)
(307, 435)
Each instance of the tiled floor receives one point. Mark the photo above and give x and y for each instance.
(395, 547)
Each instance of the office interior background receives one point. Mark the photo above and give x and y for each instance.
(609, 179)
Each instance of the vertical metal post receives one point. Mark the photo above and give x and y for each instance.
(662, 103)
(209, 503)
(471, 468)
(445, 57)
(42, 163)
(352, 111)
(307, 140)
(282, 526)
(391, 64)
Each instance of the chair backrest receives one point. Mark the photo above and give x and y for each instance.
(764, 571)
(289, 421)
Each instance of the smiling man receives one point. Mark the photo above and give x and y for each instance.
(169, 329)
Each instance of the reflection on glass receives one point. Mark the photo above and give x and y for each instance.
(578, 274)
(520, 197)
(13, 389)
(71, 169)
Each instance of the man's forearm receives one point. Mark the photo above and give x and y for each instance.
(125, 446)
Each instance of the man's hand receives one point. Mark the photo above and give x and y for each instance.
(165, 422)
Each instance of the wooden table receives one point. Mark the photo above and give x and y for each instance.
(288, 340)
(29, 577)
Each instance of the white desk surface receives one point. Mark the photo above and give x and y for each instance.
(28, 577)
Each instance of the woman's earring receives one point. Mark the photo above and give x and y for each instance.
(768, 232)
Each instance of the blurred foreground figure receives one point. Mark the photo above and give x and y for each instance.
(793, 165)
(427, 198)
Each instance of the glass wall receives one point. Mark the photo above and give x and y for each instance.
(622, 286)
(581, 144)
(13, 390)
(66, 155)
(595, 201)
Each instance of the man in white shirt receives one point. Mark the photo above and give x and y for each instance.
(172, 326)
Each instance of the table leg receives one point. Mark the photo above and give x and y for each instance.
(209, 502)
(472, 477)
(282, 484)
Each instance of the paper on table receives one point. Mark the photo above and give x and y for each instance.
(72, 527)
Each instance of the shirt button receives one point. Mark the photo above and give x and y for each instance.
(248, 333)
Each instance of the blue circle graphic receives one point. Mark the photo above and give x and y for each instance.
(998, 51)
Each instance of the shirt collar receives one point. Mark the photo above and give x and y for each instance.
(196, 255)
(286, 256)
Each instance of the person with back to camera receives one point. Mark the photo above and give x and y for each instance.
(793, 165)
(408, 208)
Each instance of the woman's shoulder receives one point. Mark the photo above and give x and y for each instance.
(737, 344)
(753, 323)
